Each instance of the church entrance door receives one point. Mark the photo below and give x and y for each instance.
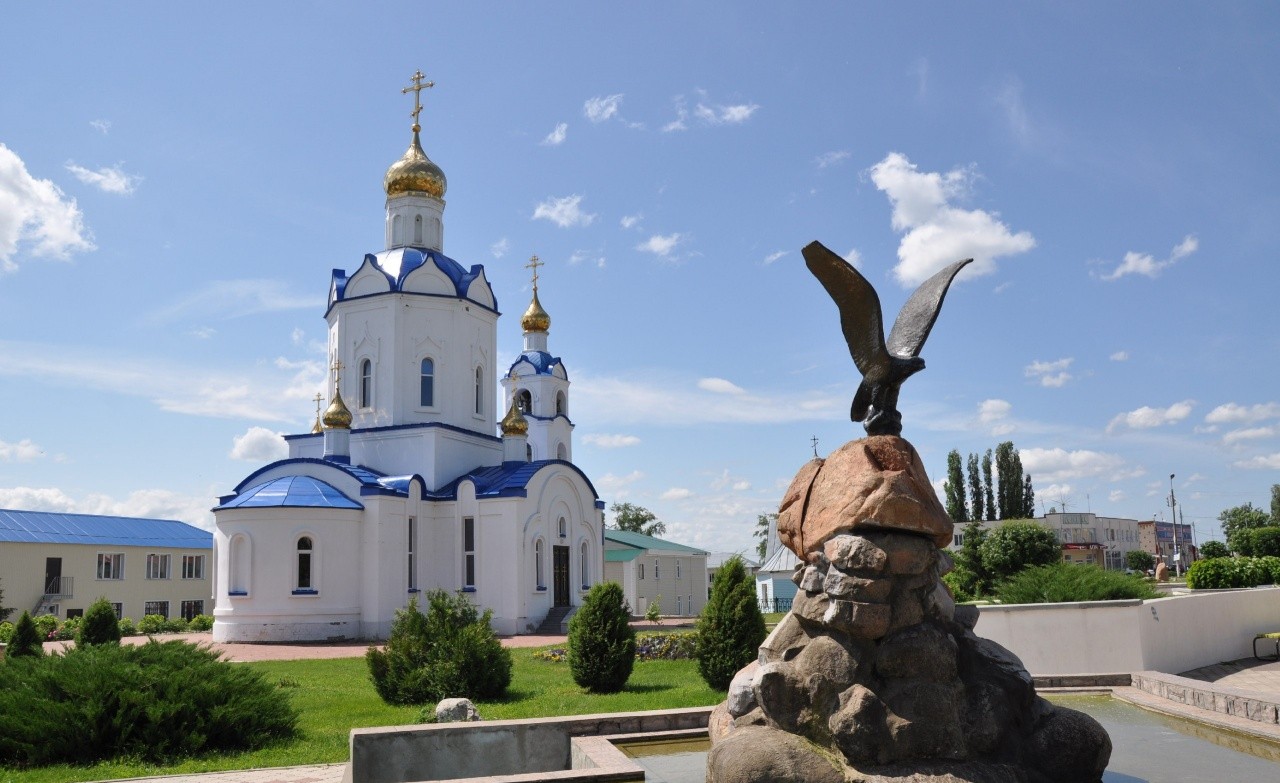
(560, 574)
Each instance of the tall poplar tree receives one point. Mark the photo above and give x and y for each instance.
(976, 508)
(987, 492)
(954, 489)
(1028, 499)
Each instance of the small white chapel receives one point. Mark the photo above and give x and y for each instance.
(404, 484)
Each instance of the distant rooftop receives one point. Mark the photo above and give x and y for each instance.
(639, 541)
(48, 527)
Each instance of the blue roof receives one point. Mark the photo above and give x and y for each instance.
(396, 265)
(542, 362)
(294, 492)
(510, 479)
(46, 527)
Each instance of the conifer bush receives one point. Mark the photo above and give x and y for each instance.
(602, 643)
(157, 702)
(99, 626)
(26, 639)
(731, 627)
(1067, 582)
(448, 652)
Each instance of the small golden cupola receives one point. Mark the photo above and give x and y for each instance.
(514, 423)
(535, 319)
(337, 416)
(414, 172)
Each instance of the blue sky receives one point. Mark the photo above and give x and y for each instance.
(176, 184)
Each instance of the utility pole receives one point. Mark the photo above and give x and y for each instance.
(1173, 516)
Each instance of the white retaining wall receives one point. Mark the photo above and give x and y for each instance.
(1165, 634)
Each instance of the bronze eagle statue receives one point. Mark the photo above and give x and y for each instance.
(884, 366)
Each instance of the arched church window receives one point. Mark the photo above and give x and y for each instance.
(524, 401)
(563, 527)
(537, 564)
(479, 391)
(238, 565)
(417, 229)
(427, 390)
(528, 452)
(366, 384)
(397, 230)
(562, 452)
(306, 576)
(584, 570)
(561, 404)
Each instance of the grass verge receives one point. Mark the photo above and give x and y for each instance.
(335, 696)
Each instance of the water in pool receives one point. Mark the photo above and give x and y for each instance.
(1147, 748)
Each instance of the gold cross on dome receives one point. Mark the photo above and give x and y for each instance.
(417, 88)
(533, 264)
(318, 398)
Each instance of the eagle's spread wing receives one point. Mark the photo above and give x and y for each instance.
(860, 317)
(918, 315)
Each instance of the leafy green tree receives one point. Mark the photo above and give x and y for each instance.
(1212, 549)
(1028, 499)
(1017, 545)
(26, 639)
(954, 489)
(1010, 482)
(987, 492)
(1239, 518)
(1263, 541)
(100, 625)
(636, 519)
(970, 574)
(654, 613)
(1140, 560)
(602, 643)
(763, 523)
(4, 611)
(731, 628)
(1275, 510)
(976, 508)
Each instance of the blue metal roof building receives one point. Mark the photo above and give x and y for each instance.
(49, 527)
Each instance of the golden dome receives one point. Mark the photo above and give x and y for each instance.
(514, 423)
(414, 173)
(336, 416)
(535, 319)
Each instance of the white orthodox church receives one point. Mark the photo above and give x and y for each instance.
(403, 485)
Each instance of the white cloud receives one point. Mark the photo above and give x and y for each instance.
(1231, 413)
(676, 493)
(935, 232)
(769, 259)
(259, 444)
(1009, 98)
(557, 135)
(610, 484)
(204, 332)
(579, 256)
(728, 481)
(34, 211)
(234, 299)
(717, 114)
(1145, 264)
(22, 451)
(1268, 462)
(1057, 464)
(601, 108)
(660, 245)
(1147, 417)
(564, 212)
(499, 249)
(854, 258)
(1249, 433)
(831, 158)
(1120, 356)
(149, 503)
(109, 179)
(606, 441)
(630, 221)
(720, 386)
(1116, 495)
(995, 414)
(680, 122)
(1051, 374)
(1058, 495)
(102, 126)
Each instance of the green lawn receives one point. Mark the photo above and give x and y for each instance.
(336, 696)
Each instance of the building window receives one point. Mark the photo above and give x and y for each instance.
(562, 452)
(73, 613)
(156, 607)
(193, 566)
(560, 404)
(563, 527)
(111, 566)
(397, 230)
(157, 566)
(305, 577)
(413, 558)
(427, 387)
(656, 574)
(479, 391)
(119, 610)
(366, 384)
(584, 570)
(524, 402)
(677, 572)
(468, 553)
(641, 574)
(191, 609)
(417, 229)
(537, 565)
(238, 566)
(679, 605)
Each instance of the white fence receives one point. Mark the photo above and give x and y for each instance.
(1165, 634)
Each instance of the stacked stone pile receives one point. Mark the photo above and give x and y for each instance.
(875, 674)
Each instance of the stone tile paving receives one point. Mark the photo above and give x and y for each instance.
(1247, 674)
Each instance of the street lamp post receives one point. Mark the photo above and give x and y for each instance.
(1173, 515)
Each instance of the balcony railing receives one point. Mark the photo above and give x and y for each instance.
(59, 587)
(775, 605)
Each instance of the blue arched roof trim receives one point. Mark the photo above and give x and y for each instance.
(366, 476)
(292, 492)
(542, 363)
(412, 258)
(510, 479)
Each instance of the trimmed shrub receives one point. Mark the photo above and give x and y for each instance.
(175, 625)
(1017, 545)
(1066, 583)
(6, 631)
(1141, 560)
(654, 613)
(127, 627)
(201, 623)
(151, 624)
(1227, 572)
(731, 627)
(449, 652)
(100, 625)
(46, 626)
(69, 629)
(602, 643)
(26, 640)
(1212, 549)
(157, 702)
(958, 580)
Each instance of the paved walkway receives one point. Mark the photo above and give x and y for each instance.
(1247, 674)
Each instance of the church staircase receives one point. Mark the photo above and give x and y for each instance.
(556, 622)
